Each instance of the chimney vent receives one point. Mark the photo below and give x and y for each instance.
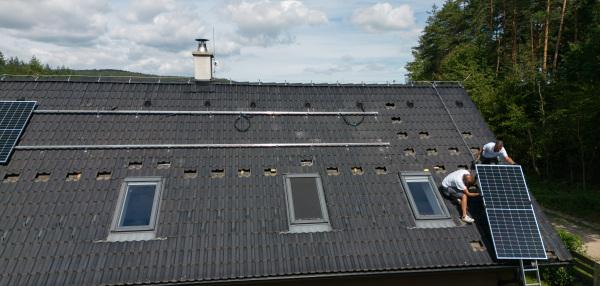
(202, 45)
(202, 62)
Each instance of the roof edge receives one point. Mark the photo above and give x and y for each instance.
(284, 278)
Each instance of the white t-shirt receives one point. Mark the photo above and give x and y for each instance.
(455, 179)
(488, 151)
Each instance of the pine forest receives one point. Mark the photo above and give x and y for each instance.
(533, 70)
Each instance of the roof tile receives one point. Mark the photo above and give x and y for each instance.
(233, 227)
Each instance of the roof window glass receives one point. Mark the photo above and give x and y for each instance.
(306, 203)
(137, 208)
(424, 199)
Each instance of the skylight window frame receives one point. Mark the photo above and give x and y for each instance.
(122, 200)
(425, 177)
(306, 225)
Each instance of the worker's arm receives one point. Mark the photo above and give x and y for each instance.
(509, 160)
(469, 194)
(479, 154)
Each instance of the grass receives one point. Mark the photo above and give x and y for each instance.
(560, 197)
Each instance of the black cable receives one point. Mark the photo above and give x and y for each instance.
(361, 119)
(245, 116)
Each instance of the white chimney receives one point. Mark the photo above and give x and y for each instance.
(202, 62)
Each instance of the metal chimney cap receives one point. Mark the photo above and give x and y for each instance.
(202, 45)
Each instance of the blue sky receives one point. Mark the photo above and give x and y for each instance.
(323, 41)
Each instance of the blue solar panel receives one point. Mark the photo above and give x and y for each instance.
(14, 115)
(515, 234)
(508, 185)
(510, 214)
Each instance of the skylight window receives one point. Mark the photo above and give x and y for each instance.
(306, 203)
(423, 197)
(137, 208)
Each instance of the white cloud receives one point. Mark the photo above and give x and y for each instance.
(226, 47)
(383, 18)
(66, 22)
(146, 10)
(347, 58)
(161, 66)
(375, 67)
(333, 68)
(412, 34)
(266, 23)
(274, 40)
(171, 30)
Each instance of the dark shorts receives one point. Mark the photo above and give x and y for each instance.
(490, 161)
(452, 192)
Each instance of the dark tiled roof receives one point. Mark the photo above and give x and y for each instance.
(214, 229)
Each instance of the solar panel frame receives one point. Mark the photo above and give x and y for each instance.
(14, 115)
(512, 240)
(511, 217)
(508, 183)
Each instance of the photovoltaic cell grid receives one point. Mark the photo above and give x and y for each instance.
(13, 118)
(510, 214)
(509, 190)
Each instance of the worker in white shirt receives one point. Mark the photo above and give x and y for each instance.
(456, 185)
(490, 153)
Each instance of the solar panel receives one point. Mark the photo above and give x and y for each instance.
(14, 115)
(510, 214)
(508, 185)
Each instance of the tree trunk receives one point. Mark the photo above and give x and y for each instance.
(532, 37)
(514, 44)
(546, 40)
(498, 48)
(505, 33)
(491, 20)
(533, 154)
(562, 18)
(547, 153)
(576, 27)
(582, 150)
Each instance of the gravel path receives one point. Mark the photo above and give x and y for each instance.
(590, 233)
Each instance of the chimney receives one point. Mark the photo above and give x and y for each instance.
(202, 62)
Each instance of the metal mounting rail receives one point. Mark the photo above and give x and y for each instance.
(175, 146)
(197, 112)
(452, 119)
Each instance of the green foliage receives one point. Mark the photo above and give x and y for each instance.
(15, 66)
(572, 242)
(561, 276)
(558, 277)
(445, 29)
(35, 67)
(546, 112)
(567, 199)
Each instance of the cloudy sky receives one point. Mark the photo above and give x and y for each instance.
(323, 41)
